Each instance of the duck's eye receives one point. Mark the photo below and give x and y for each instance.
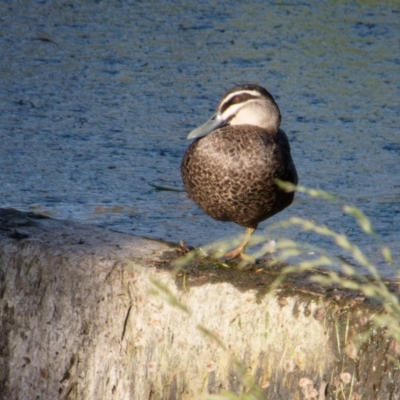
(236, 99)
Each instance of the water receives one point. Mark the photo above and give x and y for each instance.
(97, 98)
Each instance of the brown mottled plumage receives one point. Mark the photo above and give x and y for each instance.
(230, 169)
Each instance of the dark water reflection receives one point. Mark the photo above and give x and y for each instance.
(98, 96)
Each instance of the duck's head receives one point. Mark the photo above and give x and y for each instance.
(243, 105)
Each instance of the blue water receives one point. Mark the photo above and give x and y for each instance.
(98, 97)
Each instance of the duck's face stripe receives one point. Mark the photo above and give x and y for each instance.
(234, 100)
(249, 106)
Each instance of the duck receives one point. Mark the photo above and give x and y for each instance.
(231, 168)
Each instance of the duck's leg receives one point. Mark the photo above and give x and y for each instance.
(239, 251)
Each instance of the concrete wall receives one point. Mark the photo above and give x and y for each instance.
(86, 313)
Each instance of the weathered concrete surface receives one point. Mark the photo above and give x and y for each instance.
(86, 313)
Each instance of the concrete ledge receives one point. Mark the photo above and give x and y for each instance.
(86, 313)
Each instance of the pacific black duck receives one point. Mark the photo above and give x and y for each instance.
(230, 169)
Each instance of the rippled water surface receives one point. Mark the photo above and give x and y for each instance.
(97, 98)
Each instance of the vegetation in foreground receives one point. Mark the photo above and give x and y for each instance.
(338, 272)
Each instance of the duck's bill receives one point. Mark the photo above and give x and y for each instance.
(213, 123)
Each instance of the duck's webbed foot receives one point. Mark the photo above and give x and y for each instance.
(239, 251)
